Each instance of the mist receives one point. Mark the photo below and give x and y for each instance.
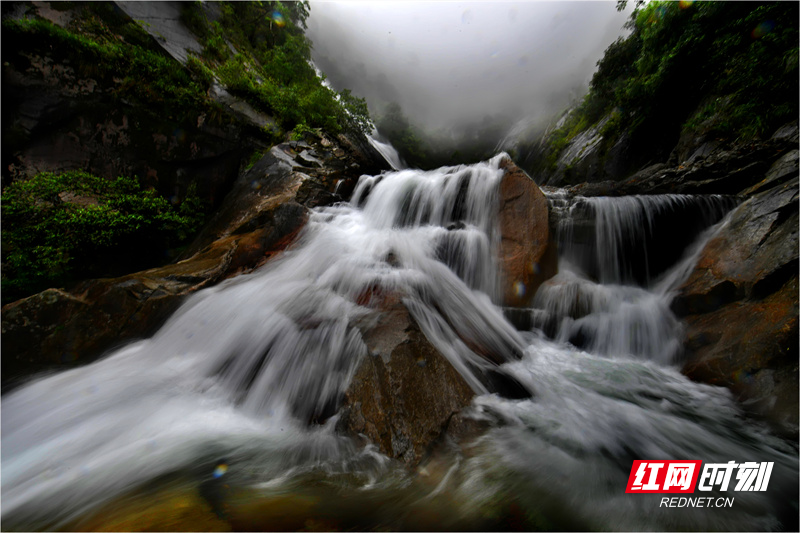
(466, 69)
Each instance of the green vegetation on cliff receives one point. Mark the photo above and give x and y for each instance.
(721, 69)
(58, 227)
(122, 63)
(257, 50)
(62, 227)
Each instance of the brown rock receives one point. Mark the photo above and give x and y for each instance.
(751, 348)
(57, 327)
(741, 307)
(404, 393)
(163, 509)
(528, 256)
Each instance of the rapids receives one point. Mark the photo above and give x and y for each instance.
(251, 371)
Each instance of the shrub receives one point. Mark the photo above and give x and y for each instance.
(57, 227)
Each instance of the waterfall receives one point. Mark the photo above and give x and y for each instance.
(253, 370)
(619, 260)
(278, 345)
(635, 238)
(387, 151)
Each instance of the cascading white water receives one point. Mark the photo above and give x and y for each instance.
(624, 231)
(247, 370)
(595, 301)
(273, 348)
(387, 151)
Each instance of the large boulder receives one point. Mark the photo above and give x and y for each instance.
(740, 305)
(58, 327)
(528, 254)
(404, 392)
(262, 215)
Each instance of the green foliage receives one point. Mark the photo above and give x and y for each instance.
(255, 157)
(194, 18)
(136, 73)
(300, 131)
(738, 57)
(272, 69)
(354, 115)
(215, 45)
(60, 226)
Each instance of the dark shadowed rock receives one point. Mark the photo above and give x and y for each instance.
(741, 307)
(713, 169)
(405, 392)
(528, 255)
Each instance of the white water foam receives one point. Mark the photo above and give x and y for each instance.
(241, 369)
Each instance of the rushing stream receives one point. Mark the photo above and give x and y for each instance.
(241, 368)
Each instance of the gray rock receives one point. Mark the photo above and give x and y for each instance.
(162, 20)
(787, 132)
(783, 169)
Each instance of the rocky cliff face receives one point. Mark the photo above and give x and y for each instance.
(740, 304)
(262, 215)
(63, 113)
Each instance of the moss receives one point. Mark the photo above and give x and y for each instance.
(255, 157)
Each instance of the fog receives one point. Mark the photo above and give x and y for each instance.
(455, 66)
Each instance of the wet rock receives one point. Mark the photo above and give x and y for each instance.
(56, 328)
(750, 347)
(740, 305)
(309, 158)
(404, 393)
(527, 253)
(522, 319)
(712, 168)
(787, 132)
(170, 508)
(59, 327)
(759, 241)
(782, 170)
